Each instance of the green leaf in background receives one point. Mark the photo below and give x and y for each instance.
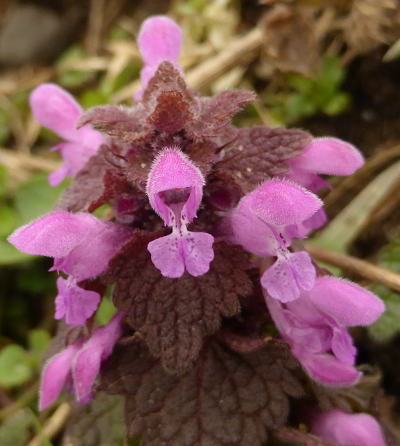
(319, 95)
(8, 220)
(36, 197)
(102, 211)
(10, 255)
(38, 341)
(331, 75)
(4, 176)
(92, 98)
(73, 78)
(303, 85)
(337, 104)
(15, 430)
(388, 325)
(15, 369)
(298, 107)
(106, 311)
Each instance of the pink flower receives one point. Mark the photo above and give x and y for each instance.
(315, 326)
(329, 156)
(78, 365)
(74, 303)
(81, 246)
(175, 189)
(57, 110)
(159, 40)
(348, 429)
(265, 222)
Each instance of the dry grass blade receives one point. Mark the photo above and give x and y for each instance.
(53, 425)
(349, 223)
(373, 164)
(356, 266)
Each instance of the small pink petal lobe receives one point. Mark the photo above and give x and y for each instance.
(96, 350)
(74, 303)
(330, 156)
(56, 109)
(348, 429)
(347, 302)
(288, 276)
(54, 375)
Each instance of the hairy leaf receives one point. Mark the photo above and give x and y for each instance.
(297, 437)
(169, 80)
(260, 152)
(216, 112)
(100, 180)
(174, 315)
(171, 112)
(100, 423)
(123, 123)
(226, 399)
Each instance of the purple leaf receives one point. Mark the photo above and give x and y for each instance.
(260, 153)
(226, 398)
(174, 315)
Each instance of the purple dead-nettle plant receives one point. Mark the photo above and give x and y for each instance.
(202, 249)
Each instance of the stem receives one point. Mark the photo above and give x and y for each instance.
(53, 425)
(354, 265)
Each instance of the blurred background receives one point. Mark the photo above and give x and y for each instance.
(331, 67)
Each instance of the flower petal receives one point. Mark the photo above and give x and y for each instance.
(88, 360)
(75, 303)
(56, 109)
(343, 428)
(159, 39)
(173, 170)
(280, 203)
(53, 235)
(348, 303)
(54, 375)
(285, 279)
(90, 258)
(81, 244)
(252, 233)
(166, 256)
(329, 156)
(343, 346)
(327, 369)
(198, 252)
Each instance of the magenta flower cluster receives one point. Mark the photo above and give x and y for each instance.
(187, 185)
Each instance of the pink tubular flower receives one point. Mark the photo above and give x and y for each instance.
(265, 222)
(348, 429)
(316, 325)
(81, 246)
(329, 156)
(175, 189)
(159, 40)
(57, 110)
(79, 364)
